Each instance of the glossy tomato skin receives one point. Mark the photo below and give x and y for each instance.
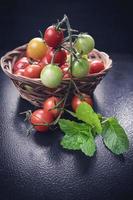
(50, 103)
(80, 68)
(33, 71)
(76, 101)
(22, 63)
(51, 76)
(84, 44)
(96, 66)
(59, 58)
(53, 37)
(19, 72)
(41, 117)
(36, 49)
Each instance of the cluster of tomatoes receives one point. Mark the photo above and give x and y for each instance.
(42, 118)
(51, 60)
(48, 59)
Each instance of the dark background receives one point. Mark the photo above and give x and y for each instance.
(109, 22)
(36, 167)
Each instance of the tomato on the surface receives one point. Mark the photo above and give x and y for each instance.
(41, 117)
(53, 37)
(96, 66)
(80, 68)
(22, 63)
(51, 76)
(33, 71)
(59, 57)
(50, 103)
(19, 72)
(76, 101)
(84, 44)
(36, 49)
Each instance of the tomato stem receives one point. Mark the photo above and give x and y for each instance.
(40, 32)
(72, 52)
(57, 105)
(76, 88)
(64, 102)
(59, 24)
(70, 40)
(53, 57)
(67, 38)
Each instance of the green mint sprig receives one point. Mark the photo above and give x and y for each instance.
(81, 135)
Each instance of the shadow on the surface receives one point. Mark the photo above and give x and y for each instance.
(81, 162)
(52, 139)
(20, 125)
(23, 105)
(84, 163)
(45, 139)
(120, 158)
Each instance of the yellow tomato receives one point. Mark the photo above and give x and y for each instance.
(36, 49)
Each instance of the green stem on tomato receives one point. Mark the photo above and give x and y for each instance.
(57, 105)
(65, 19)
(53, 57)
(73, 53)
(70, 40)
(61, 23)
(76, 88)
(64, 102)
(40, 32)
(67, 38)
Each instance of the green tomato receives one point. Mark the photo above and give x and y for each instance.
(84, 44)
(51, 76)
(80, 68)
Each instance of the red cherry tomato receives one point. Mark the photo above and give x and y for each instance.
(76, 101)
(66, 76)
(44, 61)
(53, 37)
(19, 72)
(22, 63)
(42, 65)
(59, 59)
(66, 65)
(33, 71)
(41, 117)
(65, 70)
(51, 103)
(96, 66)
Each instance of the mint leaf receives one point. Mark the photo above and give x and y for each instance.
(114, 136)
(73, 142)
(78, 136)
(72, 127)
(85, 113)
(88, 147)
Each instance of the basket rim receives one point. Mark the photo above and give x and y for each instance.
(9, 56)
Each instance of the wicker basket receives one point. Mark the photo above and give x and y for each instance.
(37, 92)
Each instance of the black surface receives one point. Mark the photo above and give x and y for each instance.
(37, 168)
(108, 21)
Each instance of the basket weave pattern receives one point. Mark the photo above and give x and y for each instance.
(39, 92)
